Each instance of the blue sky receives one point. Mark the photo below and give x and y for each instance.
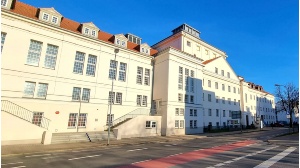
(260, 37)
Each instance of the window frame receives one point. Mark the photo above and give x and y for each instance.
(91, 65)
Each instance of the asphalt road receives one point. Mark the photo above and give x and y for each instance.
(238, 150)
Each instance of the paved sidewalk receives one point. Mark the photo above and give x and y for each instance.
(291, 140)
(9, 150)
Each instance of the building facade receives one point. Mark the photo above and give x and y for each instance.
(67, 76)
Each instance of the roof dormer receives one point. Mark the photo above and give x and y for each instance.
(50, 15)
(89, 29)
(133, 38)
(6, 4)
(120, 40)
(145, 48)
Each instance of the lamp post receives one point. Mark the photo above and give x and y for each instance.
(111, 94)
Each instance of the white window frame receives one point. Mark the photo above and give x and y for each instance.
(82, 120)
(42, 91)
(181, 124)
(139, 76)
(181, 111)
(37, 118)
(150, 124)
(94, 33)
(91, 65)
(122, 71)
(112, 73)
(86, 31)
(34, 54)
(72, 121)
(51, 56)
(29, 88)
(3, 36)
(147, 77)
(4, 1)
(180, 78)
(176, 123)
(79, 63)
(54, 17)
(46, 14)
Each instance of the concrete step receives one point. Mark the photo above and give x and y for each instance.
(100, 136)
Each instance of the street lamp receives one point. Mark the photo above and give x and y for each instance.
(111, 96)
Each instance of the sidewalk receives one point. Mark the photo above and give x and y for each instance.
(9, 150)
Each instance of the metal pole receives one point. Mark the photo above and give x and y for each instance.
(110, 96)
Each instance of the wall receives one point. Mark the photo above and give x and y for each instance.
(16, 131)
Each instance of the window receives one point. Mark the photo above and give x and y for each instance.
(234, 102)
(179, 97)
(122, 72)
(45, 16)
(223, 87)
(112, 69)
(176, 123)
(234, 90)
(223, 100)
(222, 72)
(191, 112)
(209, 112)
(54, 19)
(144, 101)
(192, 81)
(139, 76)
(123, 43)
(188, 43)
(186, 98)
(203, 96)
(3, 35)
(42, 90)
(216, 70)
(209, 83)
(82, 120)
(195, 112)
(34, 53)
(181, 112)
(181, 124)
(246, 97)
(180, 78)
(177, 111)
(186, 79)
(29, 90)
(150, 124)
(224, 113)
(209, 97)
(195, 123)
(216, 85)
(217, 99)
(141, 100)
(228, 74)
(37, 118)
(229, 100)
(110, 119)
(230, 113)
(191, 99)
(147, 77)
(217, 112)
(229, 89)
(191, 123)
(91, 65)
(198, 48)
(72, 120)
(3, 2)
(119, 98)
(86, 31)
(77, 93)
(206, 52)
(50, 58)
(111, 97)
(93, 33)
(79, 61)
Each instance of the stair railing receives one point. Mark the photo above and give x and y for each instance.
(23, 113)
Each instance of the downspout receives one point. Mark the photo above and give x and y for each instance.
(242, 99)
(152, 87)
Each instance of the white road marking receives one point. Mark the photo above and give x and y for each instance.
(18, 166)
(276, 158)
(12, 163)
(136, 149)
(38, 155)
(229, 161)
(141, 161)
(84, 157)
(50, 157)
(220, 164)
(168, 145)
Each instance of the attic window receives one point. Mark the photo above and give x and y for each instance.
(86, 31)
(3, 2)
(93, 33)
(143, 50)
(123, 43)
(54, 19)
(45, 16)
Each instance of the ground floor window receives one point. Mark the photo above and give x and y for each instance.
(110, 118)
(150, 124)
(82, 120)
(37, 118)
(72, 120)
(179, 123)
(193, 123)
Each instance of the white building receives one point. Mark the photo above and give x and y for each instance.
(57, 73)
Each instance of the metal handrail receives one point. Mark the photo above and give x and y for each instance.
(23, 113)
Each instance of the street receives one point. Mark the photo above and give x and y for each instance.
(254, 149)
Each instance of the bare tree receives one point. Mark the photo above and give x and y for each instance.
(288, 99)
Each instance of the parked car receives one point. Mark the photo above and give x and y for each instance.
(278, 124)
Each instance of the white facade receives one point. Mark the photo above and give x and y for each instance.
(62, 70)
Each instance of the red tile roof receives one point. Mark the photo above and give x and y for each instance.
(208, 61)
(32, 12)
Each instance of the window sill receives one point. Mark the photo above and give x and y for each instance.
(49, 68)
(32, 65)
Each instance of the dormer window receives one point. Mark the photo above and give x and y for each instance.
(146, 51)
(45, 16)
(54, 19)
(3, 3)
(86, 30)
(123, 43)
(143, 50)
(118, 41)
